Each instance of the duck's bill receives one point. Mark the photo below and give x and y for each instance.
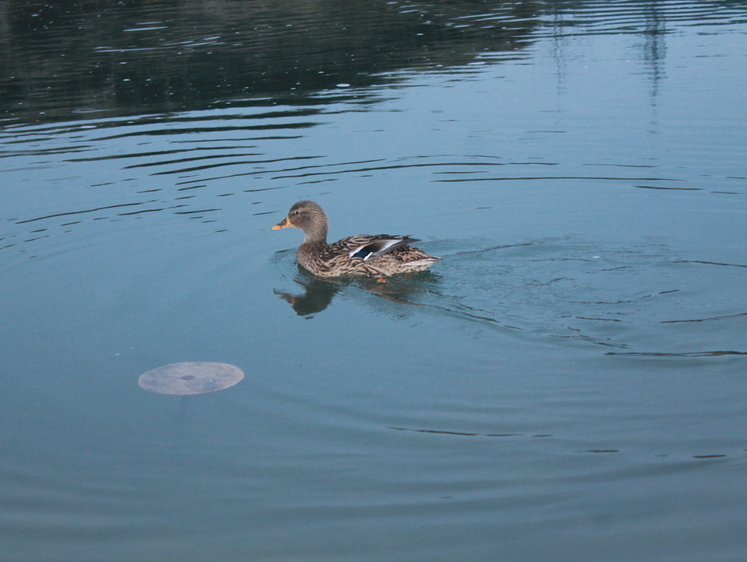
(285, 223)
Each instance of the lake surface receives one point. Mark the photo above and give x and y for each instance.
(569, 383)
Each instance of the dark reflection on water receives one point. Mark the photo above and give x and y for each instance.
(64, 60)
(318, 293)
(316, 297)
(134, 57)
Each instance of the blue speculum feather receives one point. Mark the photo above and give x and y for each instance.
(362, 253)
(383, 245)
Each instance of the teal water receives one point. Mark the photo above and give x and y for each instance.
(568, 383)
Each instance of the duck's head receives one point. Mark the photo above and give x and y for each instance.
(309, 217)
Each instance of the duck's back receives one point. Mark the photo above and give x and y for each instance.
(364, 254)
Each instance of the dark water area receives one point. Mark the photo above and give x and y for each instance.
(124, 58)
(74, 59)
(568, 383)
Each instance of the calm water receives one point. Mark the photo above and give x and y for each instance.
(569, 383)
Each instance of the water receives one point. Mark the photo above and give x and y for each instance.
(568, 383)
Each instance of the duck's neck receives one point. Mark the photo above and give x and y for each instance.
(316, 232)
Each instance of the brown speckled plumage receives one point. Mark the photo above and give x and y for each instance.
(378, 255)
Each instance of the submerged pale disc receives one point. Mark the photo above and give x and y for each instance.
(193, 377)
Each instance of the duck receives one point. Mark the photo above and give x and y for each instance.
(371, 255)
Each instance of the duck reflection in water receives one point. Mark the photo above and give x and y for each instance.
(316, 297)
(319, 293)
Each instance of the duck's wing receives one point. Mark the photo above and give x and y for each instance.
(370, 246)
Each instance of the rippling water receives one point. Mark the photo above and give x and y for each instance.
(568, 383)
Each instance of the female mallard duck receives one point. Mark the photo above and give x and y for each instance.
(378, 255)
